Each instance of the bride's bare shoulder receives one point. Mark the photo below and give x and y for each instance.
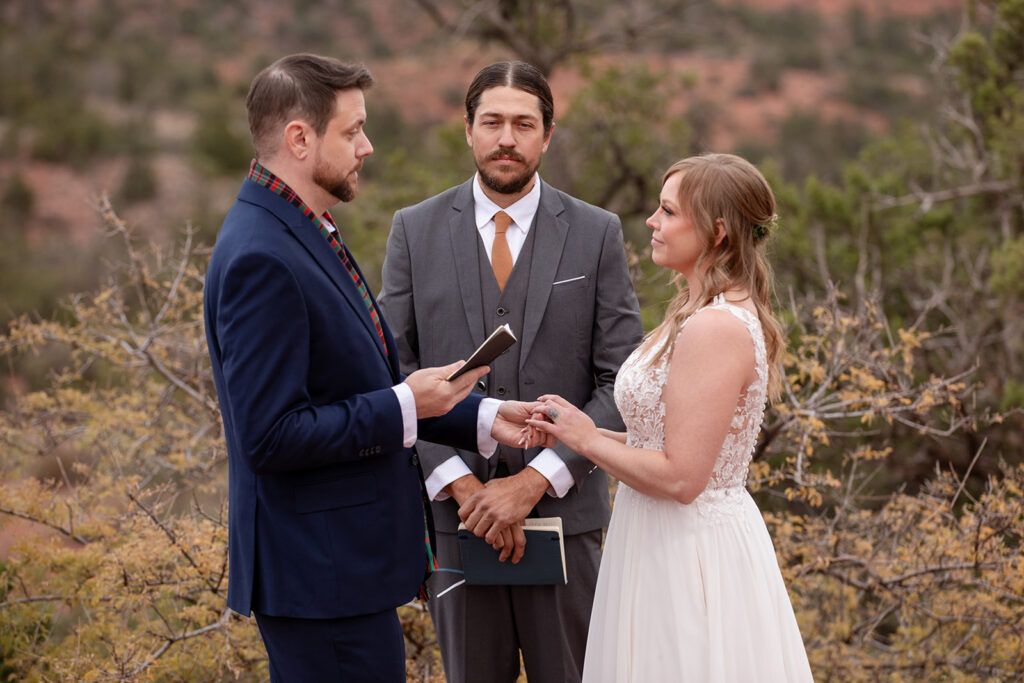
(714, 343)
(713, 326)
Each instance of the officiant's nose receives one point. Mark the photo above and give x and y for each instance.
(508, 138)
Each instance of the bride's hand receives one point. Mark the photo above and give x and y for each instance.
(563, 421)
(510, 426)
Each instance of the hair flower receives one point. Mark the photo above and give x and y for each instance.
(762, 230)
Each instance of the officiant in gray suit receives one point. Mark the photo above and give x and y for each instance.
(506, 247)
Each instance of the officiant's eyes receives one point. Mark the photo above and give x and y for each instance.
(522, 125)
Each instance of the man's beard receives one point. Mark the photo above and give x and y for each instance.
(328, 179)
(512, 185)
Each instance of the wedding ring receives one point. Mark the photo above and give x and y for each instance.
(553, 414)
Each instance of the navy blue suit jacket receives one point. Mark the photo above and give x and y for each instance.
(325, 514)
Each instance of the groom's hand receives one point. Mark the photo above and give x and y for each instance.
(490, 511)
(510, 426)
(435, 395)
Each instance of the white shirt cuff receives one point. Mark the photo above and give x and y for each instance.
(451, 469)
(549, 464)
(488, 411)
(407, 400)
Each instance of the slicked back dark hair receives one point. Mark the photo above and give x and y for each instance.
(300, 86)
(518, 75)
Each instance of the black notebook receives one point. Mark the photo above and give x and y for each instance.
(500, 339)
(543, 561)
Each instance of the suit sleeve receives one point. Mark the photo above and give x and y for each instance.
(265, 345)
(616, 332)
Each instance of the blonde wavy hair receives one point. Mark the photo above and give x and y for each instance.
(726, 190)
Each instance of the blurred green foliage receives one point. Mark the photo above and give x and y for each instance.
(220, 144)
(18, 200)
(140, 182)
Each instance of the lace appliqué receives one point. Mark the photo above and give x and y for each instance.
(638, 391)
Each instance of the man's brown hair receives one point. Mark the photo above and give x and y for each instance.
(518, 75)
(300, 86)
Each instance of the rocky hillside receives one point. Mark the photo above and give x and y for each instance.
(162, 84)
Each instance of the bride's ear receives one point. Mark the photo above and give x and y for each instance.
(719, 231)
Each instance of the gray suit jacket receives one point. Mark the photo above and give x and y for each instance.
(576, 333)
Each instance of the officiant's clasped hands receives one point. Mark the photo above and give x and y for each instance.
(497, 509)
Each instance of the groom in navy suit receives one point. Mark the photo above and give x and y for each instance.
(328, 532)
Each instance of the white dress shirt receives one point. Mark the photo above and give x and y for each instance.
(486, 413)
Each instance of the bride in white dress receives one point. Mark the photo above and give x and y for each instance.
(689, 587)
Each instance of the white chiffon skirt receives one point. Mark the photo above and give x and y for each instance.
(691, 593)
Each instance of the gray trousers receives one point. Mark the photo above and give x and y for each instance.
(481, 629)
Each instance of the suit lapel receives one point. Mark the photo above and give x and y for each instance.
(547, 253)
(464, 239)
(391, 357)
(314, 243)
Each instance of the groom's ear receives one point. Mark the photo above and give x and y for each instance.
(298, 138)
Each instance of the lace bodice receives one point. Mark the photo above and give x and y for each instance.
(638, 391)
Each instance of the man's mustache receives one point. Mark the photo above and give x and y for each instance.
(506, 154)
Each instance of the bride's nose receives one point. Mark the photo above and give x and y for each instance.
(650, 221)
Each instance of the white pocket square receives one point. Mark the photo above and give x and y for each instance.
(572, 279)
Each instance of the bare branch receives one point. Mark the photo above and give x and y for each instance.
(69, 533)
(212, 586)
(169, 641)
(41, 598)
(926, 199)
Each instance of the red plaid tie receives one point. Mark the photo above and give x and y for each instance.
(334, 239)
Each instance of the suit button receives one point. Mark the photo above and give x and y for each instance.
(481, 386)
(501, 310)
(377, 449)
(415, 460)
(501, 391)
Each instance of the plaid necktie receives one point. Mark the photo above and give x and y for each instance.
(431, 566)
(334, 239)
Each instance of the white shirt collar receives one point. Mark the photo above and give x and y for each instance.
(522, 212)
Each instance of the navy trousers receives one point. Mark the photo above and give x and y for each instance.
(368, 648)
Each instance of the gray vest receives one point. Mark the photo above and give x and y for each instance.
(502, 307)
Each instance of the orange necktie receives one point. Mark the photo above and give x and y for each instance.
(501, 255)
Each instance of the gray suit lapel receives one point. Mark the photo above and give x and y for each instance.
(547, 253)
(464, 239)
